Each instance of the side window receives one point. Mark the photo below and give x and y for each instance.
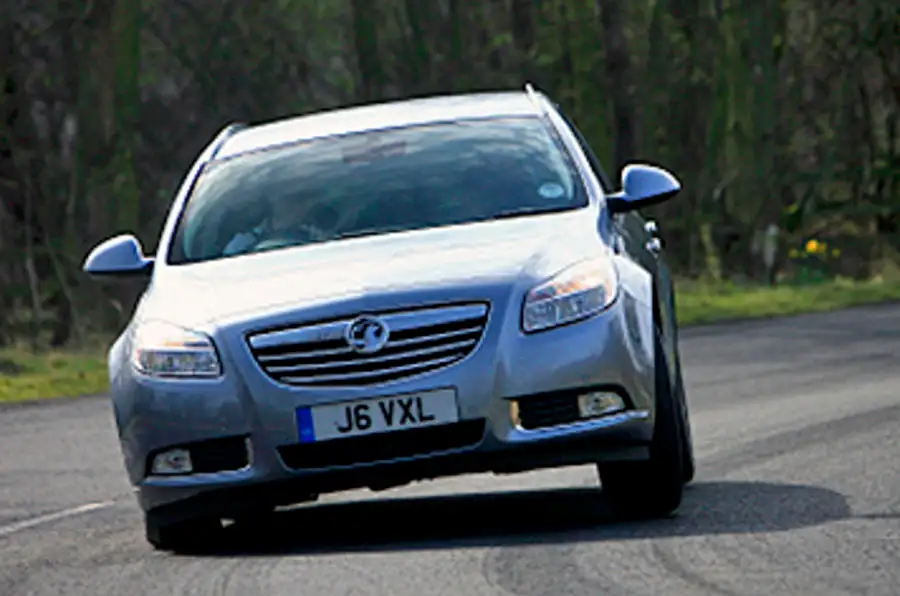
(586, 148)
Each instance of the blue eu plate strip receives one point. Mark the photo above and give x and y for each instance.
(305, 425)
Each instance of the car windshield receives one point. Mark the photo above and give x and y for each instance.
(374, 183)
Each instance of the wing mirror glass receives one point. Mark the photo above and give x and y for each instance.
(642, 186)
(121, 257)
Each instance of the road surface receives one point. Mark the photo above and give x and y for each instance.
(797, 430)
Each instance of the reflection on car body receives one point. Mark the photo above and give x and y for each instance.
(460, 291)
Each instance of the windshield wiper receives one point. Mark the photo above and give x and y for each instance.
(500, 215)
(367, 232)
(531, 212)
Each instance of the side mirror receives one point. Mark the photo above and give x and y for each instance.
(121, 256)
(642, 186)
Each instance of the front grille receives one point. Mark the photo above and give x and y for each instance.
(383, 446)
(420, 341)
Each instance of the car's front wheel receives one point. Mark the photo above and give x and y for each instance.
(186, 535)
(651, 488)
(687, 454)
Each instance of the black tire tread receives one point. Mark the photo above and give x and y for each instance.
(688, 462)
(183, 536)
(652, 488)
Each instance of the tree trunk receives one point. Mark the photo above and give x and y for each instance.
(365, 37)
(618, 73)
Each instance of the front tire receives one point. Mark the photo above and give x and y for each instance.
(687, 438)
(182, 536)
(651, 488)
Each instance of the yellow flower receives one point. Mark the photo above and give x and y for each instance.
(812, 246)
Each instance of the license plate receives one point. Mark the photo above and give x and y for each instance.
(377, 415)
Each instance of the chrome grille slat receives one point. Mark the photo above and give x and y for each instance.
(373, 359)
(347, 351)
(313, 354)
(420, 341)
(397, 322)
(366, 375)
(436, 336)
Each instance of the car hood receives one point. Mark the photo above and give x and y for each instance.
(497, 252)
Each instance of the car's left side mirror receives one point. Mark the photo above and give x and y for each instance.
(642, 186)
(118, 257)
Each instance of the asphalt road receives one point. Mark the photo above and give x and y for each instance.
(796, 426)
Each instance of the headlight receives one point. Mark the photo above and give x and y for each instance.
(164, 350)
(580, 291)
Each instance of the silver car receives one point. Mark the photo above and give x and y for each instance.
(373, 296)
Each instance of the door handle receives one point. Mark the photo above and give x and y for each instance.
(651, 228)
(653, 246)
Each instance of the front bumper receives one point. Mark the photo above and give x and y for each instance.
(612, 350)
(615, 438)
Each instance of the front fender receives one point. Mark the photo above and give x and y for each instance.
(636, 287)
(668, 323)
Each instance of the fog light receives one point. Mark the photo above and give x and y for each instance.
(599, 403)
(248, 444)
(514, 413)
(173, 461)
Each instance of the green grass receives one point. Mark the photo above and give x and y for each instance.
(699, 303)
(25, 375)
(28, 376)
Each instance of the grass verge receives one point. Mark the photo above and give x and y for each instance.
(25, 376)
(699, 303)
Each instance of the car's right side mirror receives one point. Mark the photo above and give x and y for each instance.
(642, 186)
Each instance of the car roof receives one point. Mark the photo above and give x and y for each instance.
(393, 114)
